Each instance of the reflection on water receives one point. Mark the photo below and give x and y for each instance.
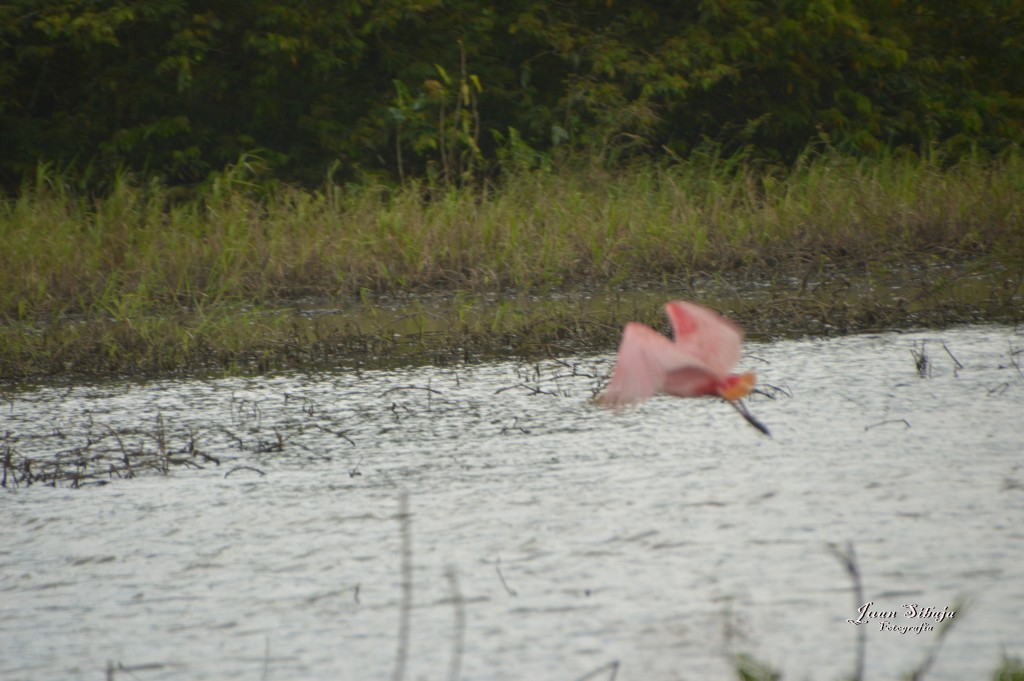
(548, 537)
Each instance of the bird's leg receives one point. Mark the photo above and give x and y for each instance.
(751, 419)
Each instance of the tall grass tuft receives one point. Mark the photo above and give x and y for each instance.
(137, 248)
(141, 256)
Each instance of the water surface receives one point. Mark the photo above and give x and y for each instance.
(547, 537)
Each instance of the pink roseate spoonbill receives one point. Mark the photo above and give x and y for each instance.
(695, 364)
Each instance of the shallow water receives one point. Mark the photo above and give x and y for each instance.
(547, 537)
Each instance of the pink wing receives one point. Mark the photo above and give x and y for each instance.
(706, 335)
(648, 363)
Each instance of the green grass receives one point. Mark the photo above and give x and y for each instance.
(145, 279)
(748, 668)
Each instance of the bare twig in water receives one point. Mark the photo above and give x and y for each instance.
(267, 446)
(411, 387)
(124, 453)
(112, 668)
(244, 468)
(921, 363)
(405, 610)
(505, 430)
(243, 410)
(1013, 360)
(103, 455)
(950, 353)
(7, 464)
(999, 389)
(771, 391)
(161, 444)
(337, 433)
(509, 590)
(534, 390)
(239, 442)
(905, 422)
(458, 643)
(848, 559)
(612, 667)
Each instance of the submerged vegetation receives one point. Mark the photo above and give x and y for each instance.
(246, 276)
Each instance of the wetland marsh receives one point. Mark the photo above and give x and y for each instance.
(214, 406)
(244, 278)
(547, 538)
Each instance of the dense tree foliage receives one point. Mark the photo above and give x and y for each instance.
(178, 89)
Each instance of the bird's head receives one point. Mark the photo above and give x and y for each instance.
(737, 386)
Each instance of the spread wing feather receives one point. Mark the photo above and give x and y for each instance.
(706, 335)
(647, 364)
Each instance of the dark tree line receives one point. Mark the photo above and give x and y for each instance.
(177, 89)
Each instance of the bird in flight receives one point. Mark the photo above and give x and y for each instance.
(696, 363)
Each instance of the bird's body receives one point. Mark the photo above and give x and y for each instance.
(696, 363)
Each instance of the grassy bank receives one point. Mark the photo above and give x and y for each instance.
(140, 280)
